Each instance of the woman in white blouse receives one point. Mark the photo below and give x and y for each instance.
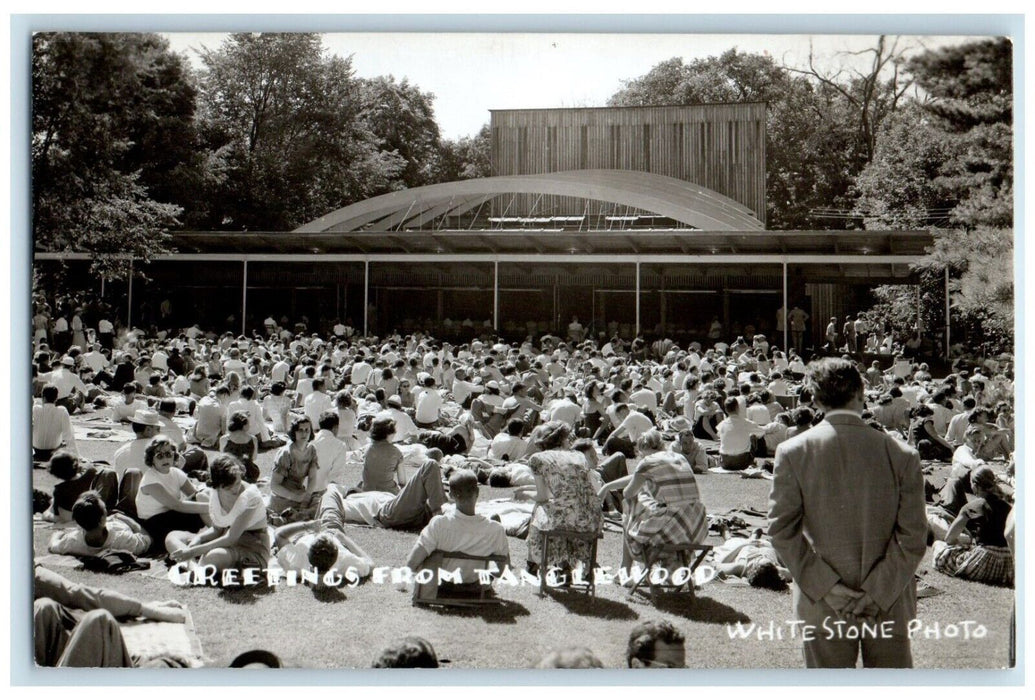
(238, 538)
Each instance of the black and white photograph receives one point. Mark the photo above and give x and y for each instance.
(382, 350)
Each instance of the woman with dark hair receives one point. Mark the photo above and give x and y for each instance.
(199, 385)
(988, 559)
(594, 407)
(294, 473)
(241, 444)
(923, 434)
(166, 499)
(346, 408)
(708, 414)
(382, 459)
(277, 407)
(565, 498)
(238, 537)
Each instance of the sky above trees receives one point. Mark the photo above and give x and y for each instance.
(469, 74)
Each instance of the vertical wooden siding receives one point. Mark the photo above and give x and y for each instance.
(720, 146)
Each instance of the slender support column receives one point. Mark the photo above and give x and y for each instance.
(948, 336)
(366, 296)
(496, 296)
(129, 300)
(102, 286)
(637, 298)
(785, 308)
(244, 300)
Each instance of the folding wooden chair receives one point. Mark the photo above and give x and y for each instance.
(591, 537)
(684, 553)
(471, 595)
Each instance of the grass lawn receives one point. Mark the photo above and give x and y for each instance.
(346, 628)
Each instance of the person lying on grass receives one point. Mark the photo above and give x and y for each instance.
(754, 559)
(322, 545)
(97, 530)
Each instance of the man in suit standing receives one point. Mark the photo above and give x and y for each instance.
(846, 515)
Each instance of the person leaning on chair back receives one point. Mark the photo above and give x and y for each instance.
(847, 517)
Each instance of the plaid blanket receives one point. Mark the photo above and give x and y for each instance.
(992, 565)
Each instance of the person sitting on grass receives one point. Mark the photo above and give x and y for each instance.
(656, 644)
(122, 411)
(146, 424)
(460, 530)
(988, 559)
(408, 652)
(51, 427)
(97, 530)
(277, 407)
(75, 479)
(738, 438)
(237, 538)
(458, 440)
(508, 445)
(242, 444)
(166, 499)
(294, 474)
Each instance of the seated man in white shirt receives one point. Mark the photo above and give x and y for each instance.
(122, 411)
(428, 405)
(166, 411)
(317, 402)
(51, 427)
(249, 404)
(737, 437)
(508, 445)
(565, 410)
(461, 530)
(330, 452)
(631, 425)
(146, 425)
(97, 530)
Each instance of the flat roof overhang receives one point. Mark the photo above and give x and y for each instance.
(842, 247)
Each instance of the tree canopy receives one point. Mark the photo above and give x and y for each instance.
(112, 129)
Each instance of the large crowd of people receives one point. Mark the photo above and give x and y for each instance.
(387, 431)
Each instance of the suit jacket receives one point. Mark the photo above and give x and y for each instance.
(847, 504)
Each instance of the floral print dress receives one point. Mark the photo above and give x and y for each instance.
(573, 505)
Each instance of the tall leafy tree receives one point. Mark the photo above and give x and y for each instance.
(970, 89)
(465, 158)
(100, 103)
(284, 123)
(402, 119)
(898, 189)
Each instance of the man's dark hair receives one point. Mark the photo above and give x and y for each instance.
(247, 392)
(89, 511)
(322, 555)
(408, 652)
(645, 635)
(764, 575)
(834, 381)
(515, 427)
(329, 421)
(50, 393)
(731, 405)
(167, 406)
